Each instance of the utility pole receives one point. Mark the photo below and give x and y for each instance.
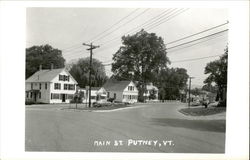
(90, 66)
(189, 90)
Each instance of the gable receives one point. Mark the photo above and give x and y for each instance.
(101, 90)
(131, 84)
(64, 76)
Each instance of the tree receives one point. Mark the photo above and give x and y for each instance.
(196, 91)
(44, 55)
(144, 54)
(171, 82)
(217, 71)
(210, 88)
(80, 71)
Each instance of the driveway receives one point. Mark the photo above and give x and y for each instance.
(145, 128)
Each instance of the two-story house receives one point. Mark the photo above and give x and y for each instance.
(122, 91)
(50, 86)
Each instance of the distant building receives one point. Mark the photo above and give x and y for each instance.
(50, 86)
(122, 91)
(151, 92)
(97, 94)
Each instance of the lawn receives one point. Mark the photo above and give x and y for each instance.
(202, 111)
(110, 107)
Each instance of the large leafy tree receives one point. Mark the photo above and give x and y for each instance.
(80, 71)
(143, 54)
(44, 55)
(171, 82)
(210, 88)
(217, 71)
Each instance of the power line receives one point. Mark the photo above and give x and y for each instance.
(142, 25)
(178, 48)
(197, 39)
(103, 31)
(194, 59)
(166, 19)
(184, 60)
(169, 18)
(91, 39)
(75, 45)
(105, 35)
(165, 13)
(197, 33)
(171, 51)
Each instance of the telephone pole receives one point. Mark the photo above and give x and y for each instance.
(90, 66)
(189, 90)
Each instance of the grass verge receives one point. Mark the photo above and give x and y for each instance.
(110, 107)
(202, 111)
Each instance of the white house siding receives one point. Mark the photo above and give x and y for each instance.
(61, 91)
(36, 86)
(129, 94)
(130, 97)
(94, 94)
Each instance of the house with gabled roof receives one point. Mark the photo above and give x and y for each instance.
(97, 94)
(50, 86)
(121, 91)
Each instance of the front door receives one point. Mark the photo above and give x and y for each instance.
(63, 97)
(35, 97)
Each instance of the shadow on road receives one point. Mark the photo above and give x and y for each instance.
(202, 125)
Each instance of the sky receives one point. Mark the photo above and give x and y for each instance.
(67, 28)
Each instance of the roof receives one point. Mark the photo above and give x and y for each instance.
(150, 87)
(113, 85)
(92, 88)
(46, 75)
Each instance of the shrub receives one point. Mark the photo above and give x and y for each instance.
(76, 99)
(29, 103)
(222, 103)
(110, 99)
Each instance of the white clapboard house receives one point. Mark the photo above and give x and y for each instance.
(97, 94)
(151, 89)
(121, 91)
(50, 86)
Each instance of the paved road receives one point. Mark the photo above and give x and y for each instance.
(147, 128)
